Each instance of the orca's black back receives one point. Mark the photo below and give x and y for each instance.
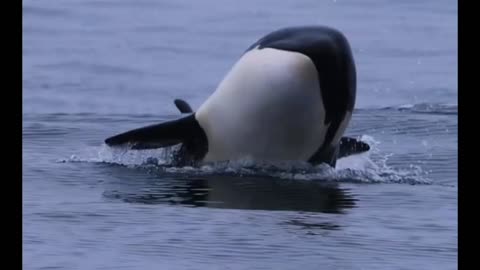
(331, 54)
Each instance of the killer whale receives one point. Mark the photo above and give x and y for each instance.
(348, 146)
(289, 97)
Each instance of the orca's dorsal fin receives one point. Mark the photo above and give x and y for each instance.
(183, 106)
(351, 146)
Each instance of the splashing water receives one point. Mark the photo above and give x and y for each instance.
(370, 167)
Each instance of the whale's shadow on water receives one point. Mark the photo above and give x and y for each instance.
(228, 192)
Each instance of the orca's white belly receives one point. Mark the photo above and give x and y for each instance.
(268, 107)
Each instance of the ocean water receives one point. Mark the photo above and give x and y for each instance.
(92, 69)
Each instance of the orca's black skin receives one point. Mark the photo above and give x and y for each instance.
(331, 54)
(183, 106)
(351, 146)
(185, 130)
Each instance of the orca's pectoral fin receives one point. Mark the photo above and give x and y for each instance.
(183, 106)
(157, 136)
(351, 146)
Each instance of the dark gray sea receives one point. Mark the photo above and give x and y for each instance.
(92, 69)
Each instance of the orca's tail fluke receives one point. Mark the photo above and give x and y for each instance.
(165, 134)
(351, 146)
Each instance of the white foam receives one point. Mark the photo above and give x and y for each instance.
(369, 167)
